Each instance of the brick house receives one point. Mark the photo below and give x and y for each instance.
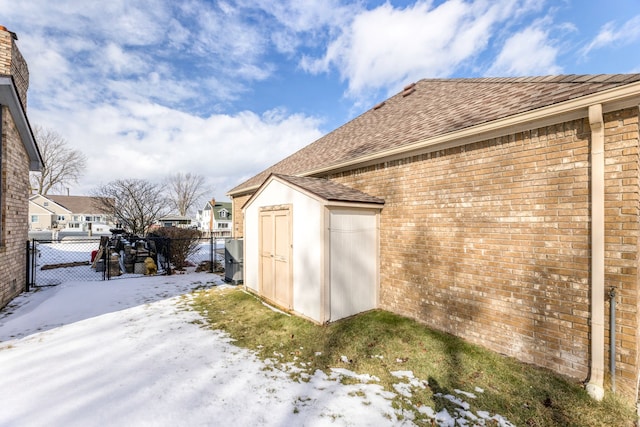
(18, 155)
(511, 209)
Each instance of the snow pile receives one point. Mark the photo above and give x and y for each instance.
(130, 352)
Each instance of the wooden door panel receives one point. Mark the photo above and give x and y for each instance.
(266, 255)
(275, 256)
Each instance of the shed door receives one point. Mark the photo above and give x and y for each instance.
(275, 256)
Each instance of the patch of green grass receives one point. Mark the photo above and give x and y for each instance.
(379, 343)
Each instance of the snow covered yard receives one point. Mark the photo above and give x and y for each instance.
(130, 352)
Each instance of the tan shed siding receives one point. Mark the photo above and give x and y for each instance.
(622, 185)
(490, 242)
(15, 211)
(238, 216)
(353, 261)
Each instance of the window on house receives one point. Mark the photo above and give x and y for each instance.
(223, 213)
(74, 225)
(60, 217)
(34, 218)
(76, 218)
(46, 203)
(223, 225)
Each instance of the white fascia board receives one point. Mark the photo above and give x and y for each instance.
(9, 97)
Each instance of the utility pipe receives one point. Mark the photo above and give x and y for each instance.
(612, 337)
(595, 386)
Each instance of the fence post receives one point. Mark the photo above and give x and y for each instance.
(27, 269)
(212, 253)
(168, 240)
(33, 262)
(105, 261)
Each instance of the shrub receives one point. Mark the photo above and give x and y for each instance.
(183, 243)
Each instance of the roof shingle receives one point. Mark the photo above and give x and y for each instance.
(330, 190)
(79, 204)
(436, 107)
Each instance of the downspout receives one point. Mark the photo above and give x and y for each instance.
(612, 337)
(595, 386)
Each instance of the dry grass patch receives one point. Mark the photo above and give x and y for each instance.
(379, 343)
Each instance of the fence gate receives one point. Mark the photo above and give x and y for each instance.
(53, 262)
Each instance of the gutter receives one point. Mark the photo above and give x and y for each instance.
(595, 386)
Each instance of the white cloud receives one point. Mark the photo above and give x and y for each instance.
(527, 53)
(136, 139)
(184, 42)
(113, 58)
(308, 15)
(139, 87)
(387, 47)
(612, 35)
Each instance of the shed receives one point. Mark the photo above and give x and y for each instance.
(312, 247)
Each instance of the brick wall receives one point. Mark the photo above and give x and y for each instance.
(621, 239)
(491, 241)
(15, 210)
(13, 63)
(14, 179)
(238, 216)
(20, 74)
(6, 48)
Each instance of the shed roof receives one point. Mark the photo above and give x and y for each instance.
(330, 190)
(433, 107)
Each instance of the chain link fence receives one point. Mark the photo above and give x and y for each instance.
(52, 262)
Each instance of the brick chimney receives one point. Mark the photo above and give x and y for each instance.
(12, 63)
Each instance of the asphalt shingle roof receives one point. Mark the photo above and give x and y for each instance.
(78, 204)
(330, 190)
(434, 107)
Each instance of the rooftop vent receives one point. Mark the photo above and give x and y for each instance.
(378, 105)
(409, 89)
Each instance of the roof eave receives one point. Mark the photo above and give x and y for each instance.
(9, 97)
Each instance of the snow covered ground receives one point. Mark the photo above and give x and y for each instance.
(129, 352)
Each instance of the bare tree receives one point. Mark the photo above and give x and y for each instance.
(185, 191)
(62, 165)
(135, 203)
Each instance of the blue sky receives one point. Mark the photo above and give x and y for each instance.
(147, 88)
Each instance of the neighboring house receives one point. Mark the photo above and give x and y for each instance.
(176, 221)
(68, 213)
(214, 220)
(18, 155)
(41, 218)
(510, 212)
